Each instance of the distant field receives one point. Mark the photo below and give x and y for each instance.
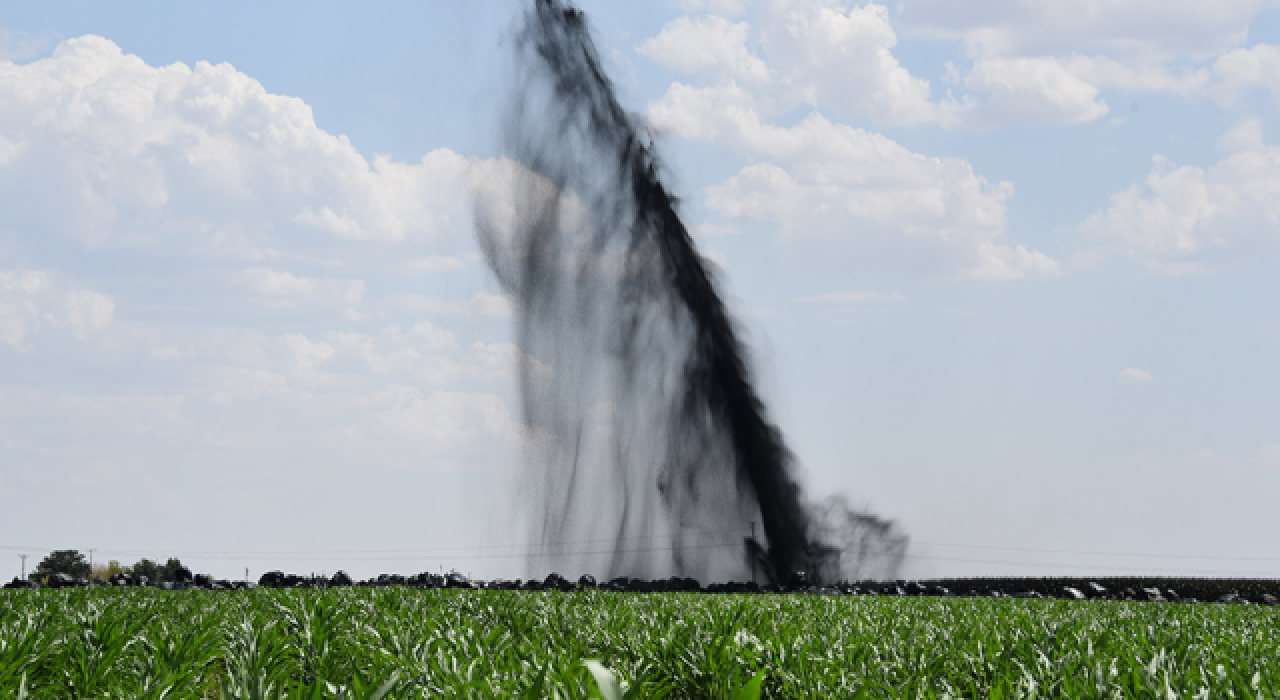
(147, 643)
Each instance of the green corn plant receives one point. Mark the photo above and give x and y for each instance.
(18, 692)
(24, 638)
(247, 684)
(360, 690)
(316, 624)
(257, 652)
(176, 653)
(609, 687)
(403, 642)
(97, 651)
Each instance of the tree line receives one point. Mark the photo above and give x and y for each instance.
(74, 564)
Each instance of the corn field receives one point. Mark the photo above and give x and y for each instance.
(412, 643)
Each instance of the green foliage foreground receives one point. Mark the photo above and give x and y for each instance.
(403, 642)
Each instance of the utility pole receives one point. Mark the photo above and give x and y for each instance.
(246, 574)
(23, 557)
(751, 553)
(91, 551)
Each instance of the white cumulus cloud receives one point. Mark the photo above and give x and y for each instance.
(281, 289)
(203, 166)
(88, 311)
(727, 8)
(198, 280)
(1244, 69)
(443, 419)
(847, 197)
(1132, 374)
(22, 46)
(1033, 63)
(1143, 28)
(1190, 219)
(231, 239)
(33, 299)
(1031, 91)
(1044, 61)
(804, 52)
(231, 186)
(707, 45)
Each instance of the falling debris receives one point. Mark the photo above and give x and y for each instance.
(650, 452)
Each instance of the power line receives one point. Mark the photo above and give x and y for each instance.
(365, 556)
(554, 549)
(524, 547)
(1095, 567)
(532, 548)
(1104, 554)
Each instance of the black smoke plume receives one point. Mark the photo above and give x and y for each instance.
(650, 452)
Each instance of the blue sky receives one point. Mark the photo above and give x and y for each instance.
(1008, 269)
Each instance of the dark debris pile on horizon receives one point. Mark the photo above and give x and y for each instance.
(1151, 589)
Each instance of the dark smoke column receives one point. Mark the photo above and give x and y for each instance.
(650, 449)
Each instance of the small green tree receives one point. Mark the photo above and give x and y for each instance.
(146, 567)
(63, 561)
(169, 572)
